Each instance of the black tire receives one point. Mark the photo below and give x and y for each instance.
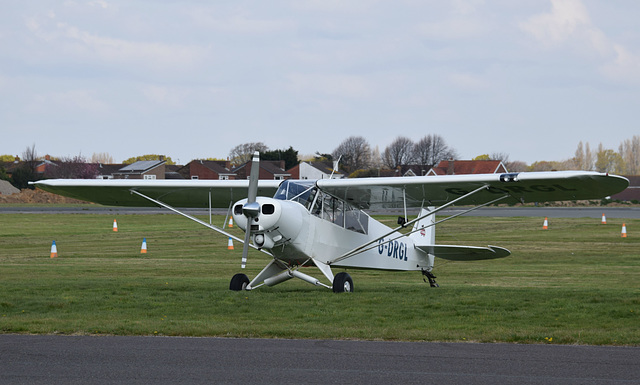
(342, 283)
(239, 282)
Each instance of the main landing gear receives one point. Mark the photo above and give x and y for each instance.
(342, 283)
(432, 278)
(239, 282)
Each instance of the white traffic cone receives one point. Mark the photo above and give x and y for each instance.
(54, 250)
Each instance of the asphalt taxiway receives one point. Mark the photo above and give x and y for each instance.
(50, 359)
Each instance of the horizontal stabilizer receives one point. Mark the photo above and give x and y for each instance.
(465, 253)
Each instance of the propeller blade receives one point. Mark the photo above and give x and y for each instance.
(245, 246)
(251, 209)
(253, 178)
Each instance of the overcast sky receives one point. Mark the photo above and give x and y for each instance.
(192, 79)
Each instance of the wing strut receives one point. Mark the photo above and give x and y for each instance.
(430, 225)
(360, 248)
(205, 224)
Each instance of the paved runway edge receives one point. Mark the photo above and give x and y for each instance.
(52, 359)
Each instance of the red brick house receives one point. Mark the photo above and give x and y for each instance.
(208, 169)
(459, 167)
(269, 169)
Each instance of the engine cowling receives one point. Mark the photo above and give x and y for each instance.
(272, 222)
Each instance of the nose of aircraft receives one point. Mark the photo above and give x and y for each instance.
(251, 210)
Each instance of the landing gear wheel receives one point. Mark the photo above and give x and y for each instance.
(239, 282)
(342, 283)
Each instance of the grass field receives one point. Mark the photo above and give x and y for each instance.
(576, 283)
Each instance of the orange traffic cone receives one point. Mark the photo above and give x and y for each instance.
(624, 230)
(604, 219)
(230, 244)
(115, 226)
(54, 250)
(143, 249)
(545, 225)
(230, 221)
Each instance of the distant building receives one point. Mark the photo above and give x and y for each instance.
(144, 169)
(631, 193)
(460, 167)
(269, 169)
(41, 168)
(314, 171)
(106, 170)
(208, 169)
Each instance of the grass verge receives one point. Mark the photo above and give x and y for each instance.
(576, 283)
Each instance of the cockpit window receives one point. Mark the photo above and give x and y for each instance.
(340, 213)
(302, 192)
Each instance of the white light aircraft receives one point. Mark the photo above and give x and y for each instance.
(322, 223)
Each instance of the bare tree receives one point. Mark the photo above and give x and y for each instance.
(399, 152)
(355, 153)
(516, 166)
(432, 149)
(101, 157)
(630, 152)
(242, 153)
(501, 156)
(30, 158)
(72, 168)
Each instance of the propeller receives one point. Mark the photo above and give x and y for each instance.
(251, 209)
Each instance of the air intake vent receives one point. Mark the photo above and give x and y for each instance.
(268, 209)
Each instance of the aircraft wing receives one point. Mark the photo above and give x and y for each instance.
(177, 193)
(368, 193)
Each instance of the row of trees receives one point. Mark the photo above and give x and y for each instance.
(356, 155)
(625, 161)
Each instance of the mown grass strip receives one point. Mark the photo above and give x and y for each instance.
(576, 283)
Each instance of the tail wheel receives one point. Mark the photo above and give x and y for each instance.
(342, 283)
(239, 282)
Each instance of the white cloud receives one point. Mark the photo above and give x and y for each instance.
(87, 46)
(567, 19)
(568, 26)
(625, 66)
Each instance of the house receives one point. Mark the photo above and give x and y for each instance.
(144, 169)
(106, 170)
(631, 193)
(269, 169)
(314, 171)
(172, 171)
(208, 169)
(414, 169)
(41, 168)
(458, 167)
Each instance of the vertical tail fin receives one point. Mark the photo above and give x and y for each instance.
(424, 231)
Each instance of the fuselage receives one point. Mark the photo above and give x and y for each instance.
(301, 223)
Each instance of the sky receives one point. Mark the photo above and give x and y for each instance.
(192, 79)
